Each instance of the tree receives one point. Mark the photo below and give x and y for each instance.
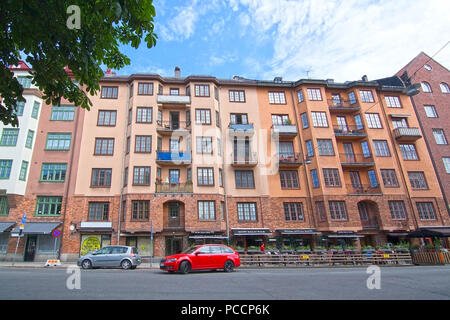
(78, 34)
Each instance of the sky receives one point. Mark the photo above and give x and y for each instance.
(293, 39)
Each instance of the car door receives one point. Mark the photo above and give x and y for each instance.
(116, 256)
(218, 257)
(101, 256)
(201, 259)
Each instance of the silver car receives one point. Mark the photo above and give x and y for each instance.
(111, 256)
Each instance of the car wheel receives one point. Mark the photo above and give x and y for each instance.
(125, 264)
(86, 264)
(228, 266)
(184, 267)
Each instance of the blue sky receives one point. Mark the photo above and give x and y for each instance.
(261, 39)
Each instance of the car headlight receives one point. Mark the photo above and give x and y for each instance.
(171, 260)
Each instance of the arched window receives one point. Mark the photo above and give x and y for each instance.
(445, 88)
(426, 87)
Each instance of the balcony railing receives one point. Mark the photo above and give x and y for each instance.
(407, 134)
(245, 129)
(244, 159)
(370, 224)
(289, 159)
(170, 126)
(164, 187)
(355, 160)
(173, 157)
(364, 189)
(174, 99)
(284, 130)
(343, 105)
(349, 132)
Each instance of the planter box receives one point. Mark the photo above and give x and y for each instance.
(401, 249)
(303, 251)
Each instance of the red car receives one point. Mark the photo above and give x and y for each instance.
(202, 257)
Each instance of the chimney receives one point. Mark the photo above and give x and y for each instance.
(364, 78)
(177, 72)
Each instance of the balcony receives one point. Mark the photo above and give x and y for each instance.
(342, 106)
(349, 132)
(241, 129)
(356, 160)
(364, 189)
(173, 101)
(168, 127)
(371, 223)
(289, 159)
(407, 134)
(164, 187)
(244, 160)
(173, 158)
(284, 130)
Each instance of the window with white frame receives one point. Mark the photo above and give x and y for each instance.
(446, 161)
(366, 96)
(444, 87)
(430, 111)
(319, 119)
(277, 97)
(373, 120)
(439, 136)
(314, 94)
(393, 101)
(206, 210)
(426, 87)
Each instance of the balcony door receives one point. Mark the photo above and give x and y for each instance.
(241, 149)
(342, 123)
(174, 145)
(286, 149)
(174, 176)
(349, 154)
(174, 120)
(355, 179)
(336, 98)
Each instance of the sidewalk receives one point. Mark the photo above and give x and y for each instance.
(21, 264)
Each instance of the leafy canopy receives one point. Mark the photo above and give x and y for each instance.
(38, 29)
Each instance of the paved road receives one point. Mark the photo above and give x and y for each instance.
(431, 282)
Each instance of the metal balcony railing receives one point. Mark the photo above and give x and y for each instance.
(164, 187)
(355, 159)
(364, 189)
(343, 105)
(173, 156)
(284, 129)
(243, 158)
(407, 133)
(289, 158)
(349, 131)
(370, 223)
(236, 128)
(173, 125)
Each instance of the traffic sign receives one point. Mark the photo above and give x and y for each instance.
(56, 233)
(24, 218)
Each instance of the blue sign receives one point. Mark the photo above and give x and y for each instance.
(24, 218)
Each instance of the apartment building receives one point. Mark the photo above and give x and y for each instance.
(161, 163)
(431, 109)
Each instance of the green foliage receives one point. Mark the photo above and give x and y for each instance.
(38, 30)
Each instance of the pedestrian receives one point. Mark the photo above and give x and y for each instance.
(262, 248)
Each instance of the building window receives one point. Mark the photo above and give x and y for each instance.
(337, 210)
(25, 81)
(204, 145)
(426, 87)
(143, 144)
(366, 96)
(446, 161)
(23, 171)
(289, 179)
(381, 148)
(372, 178)
(430, 111)
(109, 92)
(145, 89)
(315, 178)
(4, 206)
(389, 178)
(58, 141)
(9, 137)
(35, 110)
(352, 97)
(131, 90)
(331, 177)
(439, 136)
(104, 146)
(206, 210)
(393, 102)
(398, 210)
(205, 176)
(444, 87)
(304, 118)
(417, 180)
(48, 206)
(319, 119)
(247, 211)
(222, 210)
(140, 209)
(428, 67)
(220, 177)
(408, 152)
(325, 147)
(309, 148)
(236, 95)
(373, 120)
(144, 115)
(174, 91)
(277, 97)
(62, 113)
(217, 119)
(125, 177)
(293, 211)
(314, 94)
(426, 211)
(107, 118)
(141, 176)
(201, 90)
(53, 172)
(280, 119)
(300, 96)
(98, 211)
(101, 177)
(18, 110)
(202, 116)
(244, 179)
(5, 169)
(399, 122)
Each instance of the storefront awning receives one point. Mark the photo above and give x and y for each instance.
(95, 227)
(287, 232)
(430, 232)
(37, 228)
(397, 234)
(251, 232)
(5, 226)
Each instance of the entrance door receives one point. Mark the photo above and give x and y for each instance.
(174, 245)
(30, 248)
(174, 120)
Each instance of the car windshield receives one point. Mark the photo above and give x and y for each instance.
(190, 250)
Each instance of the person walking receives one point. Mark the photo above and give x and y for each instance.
(262, 248)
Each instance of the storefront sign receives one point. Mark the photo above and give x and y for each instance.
(251, 232)
(90, 243)
(297, 231)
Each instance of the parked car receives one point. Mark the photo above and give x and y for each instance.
(202, 257)
(111, 256)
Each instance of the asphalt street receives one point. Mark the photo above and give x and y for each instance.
(415, 282)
